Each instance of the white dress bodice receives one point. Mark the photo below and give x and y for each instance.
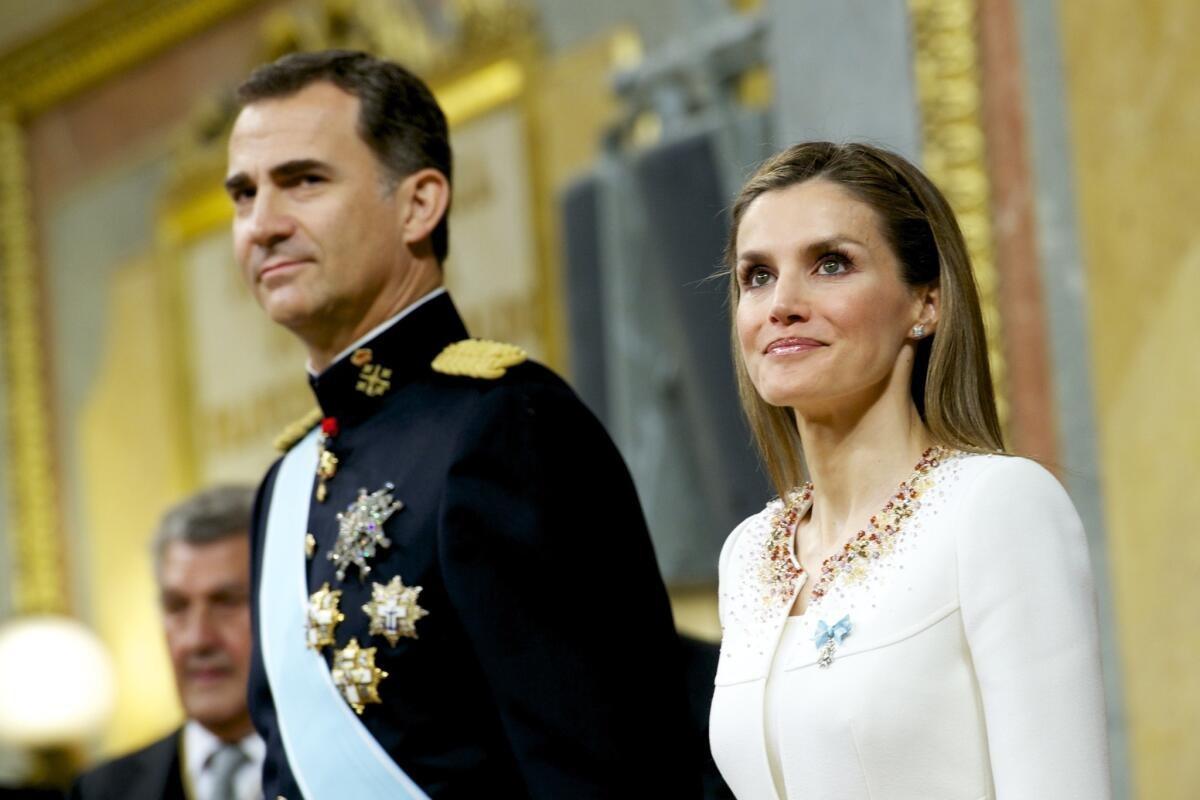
(971, 669)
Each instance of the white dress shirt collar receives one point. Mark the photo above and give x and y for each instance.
(199, 746)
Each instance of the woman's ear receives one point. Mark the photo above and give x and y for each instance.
(931, 307)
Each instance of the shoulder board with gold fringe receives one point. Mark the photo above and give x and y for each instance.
(296, 431)
(478, 358)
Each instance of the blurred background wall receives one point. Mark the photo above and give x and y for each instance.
(598, 145)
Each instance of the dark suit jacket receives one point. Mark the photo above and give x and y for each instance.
(522, 526)
(152, 773)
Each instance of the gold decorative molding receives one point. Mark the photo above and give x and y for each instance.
(34, 522)
(81, 52)
(100, 42)
(946, 64)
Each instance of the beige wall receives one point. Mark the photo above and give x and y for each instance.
(1134, 110)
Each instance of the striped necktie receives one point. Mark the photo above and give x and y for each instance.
(223, 766)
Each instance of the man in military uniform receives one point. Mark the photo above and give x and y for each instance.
(455, 593)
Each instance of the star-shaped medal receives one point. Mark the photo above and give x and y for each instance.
(322, 617)
(356, 676)
(394, 611)
(360, 530)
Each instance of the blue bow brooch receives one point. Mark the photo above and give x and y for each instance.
(827, 639)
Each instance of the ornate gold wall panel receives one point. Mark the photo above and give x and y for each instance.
(79, 53)
(946, 57)
(38, 585)
(99, 43)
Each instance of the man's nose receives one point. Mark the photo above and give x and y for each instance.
(198, 631)
(270, 222)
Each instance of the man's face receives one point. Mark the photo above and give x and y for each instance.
(317, 231)
(205, 592)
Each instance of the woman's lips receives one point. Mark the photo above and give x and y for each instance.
(789, 346)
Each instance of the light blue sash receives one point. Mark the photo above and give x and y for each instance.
(330, 752)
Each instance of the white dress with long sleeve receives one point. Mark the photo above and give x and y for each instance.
(971, 666)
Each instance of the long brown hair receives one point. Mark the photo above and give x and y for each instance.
(951, 382)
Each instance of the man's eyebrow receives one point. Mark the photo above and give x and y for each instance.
(290, 169)
(280, 172)
(238, 182)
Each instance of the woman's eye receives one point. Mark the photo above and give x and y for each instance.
(831, 265)
(757, 276)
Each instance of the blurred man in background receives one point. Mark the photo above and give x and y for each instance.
(202, 565)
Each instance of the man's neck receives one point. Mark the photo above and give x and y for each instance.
(232, 731)
(325, 350)
(378, 329)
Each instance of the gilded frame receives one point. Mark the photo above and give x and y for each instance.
(77, 54)
(80, 53)
(496, 70)
(949, 92)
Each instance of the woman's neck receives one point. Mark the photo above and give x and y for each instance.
(856, 461)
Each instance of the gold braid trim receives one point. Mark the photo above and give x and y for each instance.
(296, 431)
(478, 358)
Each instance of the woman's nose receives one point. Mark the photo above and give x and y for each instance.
(790, 300)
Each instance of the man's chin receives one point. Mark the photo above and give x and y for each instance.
(214, 708)
(287, 312)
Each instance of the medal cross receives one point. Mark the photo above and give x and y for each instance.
(374, 380)
(394, 611)
(323, 617)
(355, 675)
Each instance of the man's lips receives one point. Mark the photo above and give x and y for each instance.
(207, 674)
(281, 265)
(783, 347)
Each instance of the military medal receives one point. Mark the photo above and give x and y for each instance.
(327, 462)
(360, 530)
(356, 676)
(322, 617)
(373, 379)
(394, 611)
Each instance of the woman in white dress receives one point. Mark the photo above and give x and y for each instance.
(918, 621)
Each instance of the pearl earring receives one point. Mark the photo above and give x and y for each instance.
(918, 331)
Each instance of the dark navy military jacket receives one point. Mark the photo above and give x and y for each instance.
(547, 665)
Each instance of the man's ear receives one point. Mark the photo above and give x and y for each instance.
(425, 199)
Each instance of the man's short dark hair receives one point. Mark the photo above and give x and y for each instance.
(213, 515)
(399, 119)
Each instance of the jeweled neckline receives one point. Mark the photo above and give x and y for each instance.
(870, 543)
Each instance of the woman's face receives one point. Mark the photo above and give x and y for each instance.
(823, 317)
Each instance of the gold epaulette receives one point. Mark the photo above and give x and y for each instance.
(478, 358)
(296, 431)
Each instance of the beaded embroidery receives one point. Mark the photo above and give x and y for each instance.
(779, 572)
(783, 576)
